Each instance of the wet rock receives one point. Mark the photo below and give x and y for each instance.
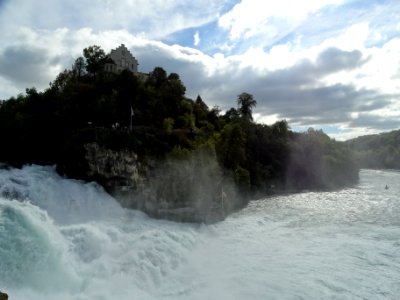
(115, 170)
(184, 189)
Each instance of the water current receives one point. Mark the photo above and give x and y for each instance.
(64, 239)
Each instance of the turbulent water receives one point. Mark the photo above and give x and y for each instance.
(63, 239)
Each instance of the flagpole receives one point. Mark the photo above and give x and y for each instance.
(130, 125)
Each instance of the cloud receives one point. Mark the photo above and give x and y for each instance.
(196, 39)
(251, 17)
(21, 65)
(305, 72)
(375, 122)
(334, 60)
(153, 18)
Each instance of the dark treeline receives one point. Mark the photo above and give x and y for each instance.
(151, 116)
(377, 151)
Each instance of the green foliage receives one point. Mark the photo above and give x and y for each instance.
(231, 147)
(246, 103)
(168, 124)
(95, 59)
(61, 81)
(242, 179)
(232, 115)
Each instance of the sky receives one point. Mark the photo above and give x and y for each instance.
(328, 64)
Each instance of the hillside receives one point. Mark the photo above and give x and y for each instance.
(378, 151)
(157, 150)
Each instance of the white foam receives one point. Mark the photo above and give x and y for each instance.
(341, 245)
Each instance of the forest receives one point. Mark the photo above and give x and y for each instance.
(151, 117)
(377, 151)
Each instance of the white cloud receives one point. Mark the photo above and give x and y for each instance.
(354, 37)
(196, 39)
(266, 119)
(251, 17)
(153, 18)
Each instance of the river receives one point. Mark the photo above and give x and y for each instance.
(64, 239)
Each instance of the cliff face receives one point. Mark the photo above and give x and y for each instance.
(116, 170)
(188, 189)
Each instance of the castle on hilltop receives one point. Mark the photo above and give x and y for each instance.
(122, 59)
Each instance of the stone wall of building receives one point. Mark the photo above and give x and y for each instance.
(123, 60)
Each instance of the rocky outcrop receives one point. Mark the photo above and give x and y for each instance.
(115, 170)
(188, 188)
(3, 296)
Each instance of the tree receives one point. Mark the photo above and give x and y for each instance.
(231, 115)
(157, 77)
(200, 110)
(61, 81)
(201, 103)
(78, 66)
(280, 129)
(231, 147)
(175, 86)
(95, 59)
(246, 103)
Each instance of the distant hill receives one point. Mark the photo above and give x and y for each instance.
(377, 151)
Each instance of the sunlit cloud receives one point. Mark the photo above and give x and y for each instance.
(250, 17)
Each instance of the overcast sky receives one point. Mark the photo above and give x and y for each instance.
(330, 64)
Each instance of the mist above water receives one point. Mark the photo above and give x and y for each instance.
(63, 239)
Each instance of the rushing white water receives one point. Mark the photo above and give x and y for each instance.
(63, 239)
